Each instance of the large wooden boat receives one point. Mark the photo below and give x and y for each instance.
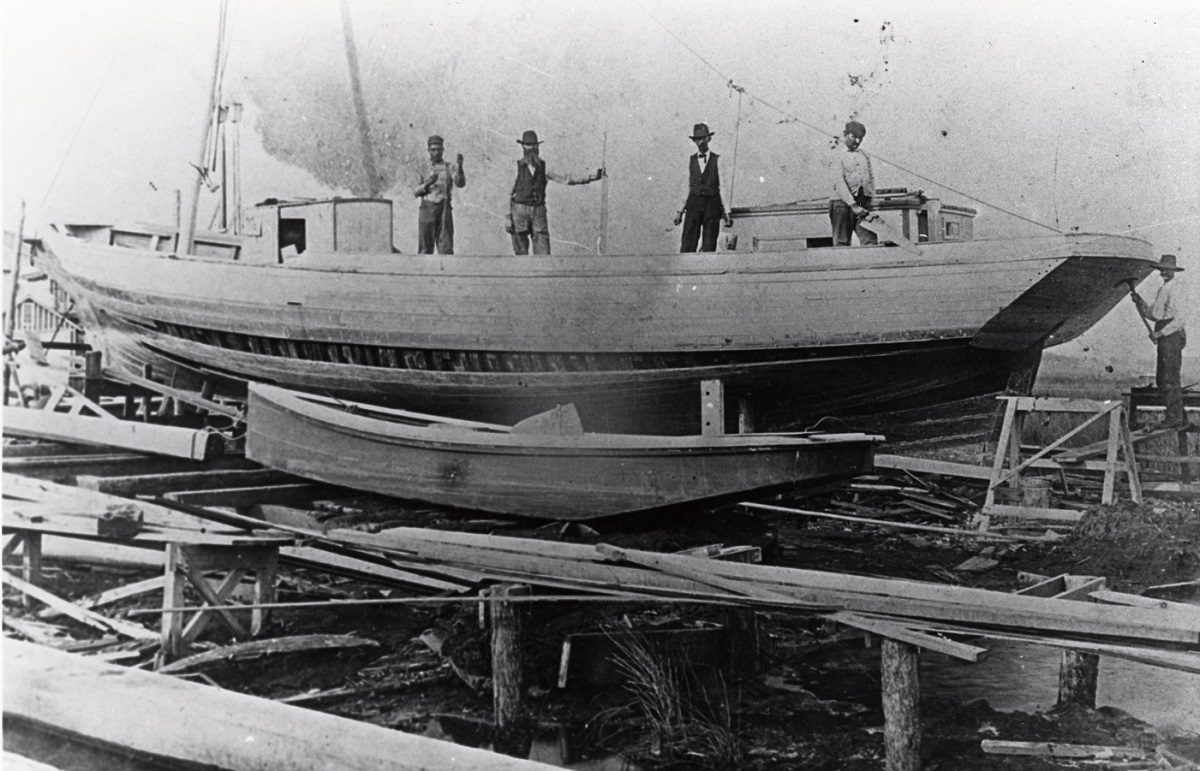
(545, 467)
(317, 299)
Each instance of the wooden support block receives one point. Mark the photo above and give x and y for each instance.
(172, 623)
(507, 675)
(901, 705)
(1077, 678)
(712, 408)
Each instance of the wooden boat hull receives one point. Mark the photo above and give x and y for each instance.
(795, 336)
(533, 475)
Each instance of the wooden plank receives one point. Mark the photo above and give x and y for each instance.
(154, 484)
(676, 567)
(299, 492)
(576, 565)
(1098, 448)
(1060, 404)
(1047, 587)
(1060, 750)
(42, 449)
(1033, 512)
(255, 649)
(930, 466)
(112, 595)
(886, 523)
(193, 444)
(1138, 601)
(81, 615)
(897, 631)
(27, 518)
(114, 705)
(310, 557)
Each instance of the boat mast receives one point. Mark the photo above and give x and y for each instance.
(187, 227)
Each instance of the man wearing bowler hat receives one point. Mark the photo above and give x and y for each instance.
(435, 223)
(703, 209)
(1167, 312)
(527, 209)
(853, 188)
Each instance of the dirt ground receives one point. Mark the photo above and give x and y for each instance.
(812, 702)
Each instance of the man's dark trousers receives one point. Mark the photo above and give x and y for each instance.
(702, 223)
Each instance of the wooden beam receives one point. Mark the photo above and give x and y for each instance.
(194, 444)
(155, 484)
(897, 631)
(116, 705)
(300, 492)
(887, 523)
(1060, 750)
(1033, 512)
(929, 466)
(81, 615)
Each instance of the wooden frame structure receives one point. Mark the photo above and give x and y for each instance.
(1119, 455)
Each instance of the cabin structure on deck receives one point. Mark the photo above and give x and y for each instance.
(805, 224)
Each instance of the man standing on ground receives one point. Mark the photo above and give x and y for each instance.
(853, 188)
(1167, 313)
(703, 206)
(527, 210)
(435, 224)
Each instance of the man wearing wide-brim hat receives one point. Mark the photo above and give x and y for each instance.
(1167, 313)
(527, 218)
(702, 209)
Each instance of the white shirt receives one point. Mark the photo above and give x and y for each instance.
(1169, 303)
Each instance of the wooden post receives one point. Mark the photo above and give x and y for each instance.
(712, 408)
(901, 711)
(745, 416)
(1077, 676)
(507, 681)
(172, 623)
(31, 562)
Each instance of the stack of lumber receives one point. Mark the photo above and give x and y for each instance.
(926, 605)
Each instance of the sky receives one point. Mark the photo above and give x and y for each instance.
(1071, 114)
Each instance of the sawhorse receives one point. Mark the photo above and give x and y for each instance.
(1119, 455)
(187, 564)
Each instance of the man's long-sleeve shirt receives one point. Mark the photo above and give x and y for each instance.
(1169, 303)
(851, 172)
(445, 174)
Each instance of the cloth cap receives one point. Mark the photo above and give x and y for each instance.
(435, 140)
(700, 131)
(855, 128)
(529, 138)
(1167, 262)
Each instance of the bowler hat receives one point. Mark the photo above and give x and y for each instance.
(855, 128)
(700, 131)
(436, 140)
(529, 138)
(1167, 262)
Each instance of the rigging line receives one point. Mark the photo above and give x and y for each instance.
(820, 130)
(82, 122)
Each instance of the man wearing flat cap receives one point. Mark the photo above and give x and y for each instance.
(853, 188)
(702, 209)
(527, 218)
(435, 223)
(1167, 314)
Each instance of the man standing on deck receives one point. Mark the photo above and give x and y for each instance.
(435, 224)
(703, 206)
(527, 209)
(853, 188)
(1168, 334)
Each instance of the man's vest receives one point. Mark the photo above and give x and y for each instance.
(530, 187)
(706, 184)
